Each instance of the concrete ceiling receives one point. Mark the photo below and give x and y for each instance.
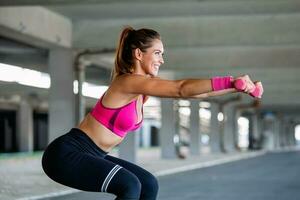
(202, 39)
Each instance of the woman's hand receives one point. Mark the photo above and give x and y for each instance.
(245, 84)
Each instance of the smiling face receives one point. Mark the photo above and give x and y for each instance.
(152, 58)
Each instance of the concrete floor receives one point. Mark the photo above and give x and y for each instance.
(274, 176)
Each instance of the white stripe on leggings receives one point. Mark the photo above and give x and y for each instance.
(109, 177)
(112, 177)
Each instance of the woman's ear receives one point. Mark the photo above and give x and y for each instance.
(138, 54)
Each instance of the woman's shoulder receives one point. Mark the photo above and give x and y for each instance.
(140, 85)
(119, 82)
(133, 79)
(130, 76)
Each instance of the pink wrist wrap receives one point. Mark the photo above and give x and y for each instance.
(240, 84)
(221, 83)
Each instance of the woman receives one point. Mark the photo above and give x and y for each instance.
(79, 158)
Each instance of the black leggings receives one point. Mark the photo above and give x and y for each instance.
(76, 161)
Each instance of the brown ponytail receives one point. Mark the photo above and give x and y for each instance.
(131, 39)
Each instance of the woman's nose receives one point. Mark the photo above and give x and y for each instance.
(162, 60)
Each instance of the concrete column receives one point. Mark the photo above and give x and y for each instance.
(214, 136)
(25, 127)
(229, 128)
(145, 135)
(255, 130)
(288, 132)
(285, 133)
(281, 133)
(268, 134)
(251, 136)
(61, 95)
(260, 129)
(237, 136)
(293, 138)
(80, 99)
(194, 128)
(291, 135)
(277, 124)
(167, 130)
(128, 148)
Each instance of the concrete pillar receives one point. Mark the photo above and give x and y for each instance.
(291, 135)
(229, 128)
(236, 139)
(129, 146)
(61, 95)
(167, 130)
(277, 137)
(25, 127)
(260, 129)
(251, 133)
(80, 99)
(194, 128)
(294, 142)
(268, 134)
(255, 130)
(287, 134)
(214, 136)
(146, 134)
(282, 134)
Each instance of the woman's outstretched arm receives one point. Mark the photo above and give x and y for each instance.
(185, 88)
(215, 93)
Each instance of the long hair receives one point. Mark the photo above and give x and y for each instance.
(131, 39)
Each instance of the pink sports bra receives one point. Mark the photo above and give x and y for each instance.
(118, 120)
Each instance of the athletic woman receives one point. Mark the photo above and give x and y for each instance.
(79, 158)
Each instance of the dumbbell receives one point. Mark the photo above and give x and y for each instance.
(240, 84)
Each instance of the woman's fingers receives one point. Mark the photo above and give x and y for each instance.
(259, 90)
(245, 84)
(250, 87)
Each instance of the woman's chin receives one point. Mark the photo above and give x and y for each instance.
(154, 73)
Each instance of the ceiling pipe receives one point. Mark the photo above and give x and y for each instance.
(80, 65)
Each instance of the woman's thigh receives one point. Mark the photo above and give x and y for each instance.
(149, 182)
(102, 175)
(69, 161)
(95, 174)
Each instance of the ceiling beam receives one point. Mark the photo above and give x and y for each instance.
(153, 9)
(36, 26)
(245, 30)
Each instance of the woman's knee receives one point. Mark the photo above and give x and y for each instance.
(132, 188)
(149, 187)
(126, 185)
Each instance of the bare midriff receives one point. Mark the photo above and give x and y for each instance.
(104, 138)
